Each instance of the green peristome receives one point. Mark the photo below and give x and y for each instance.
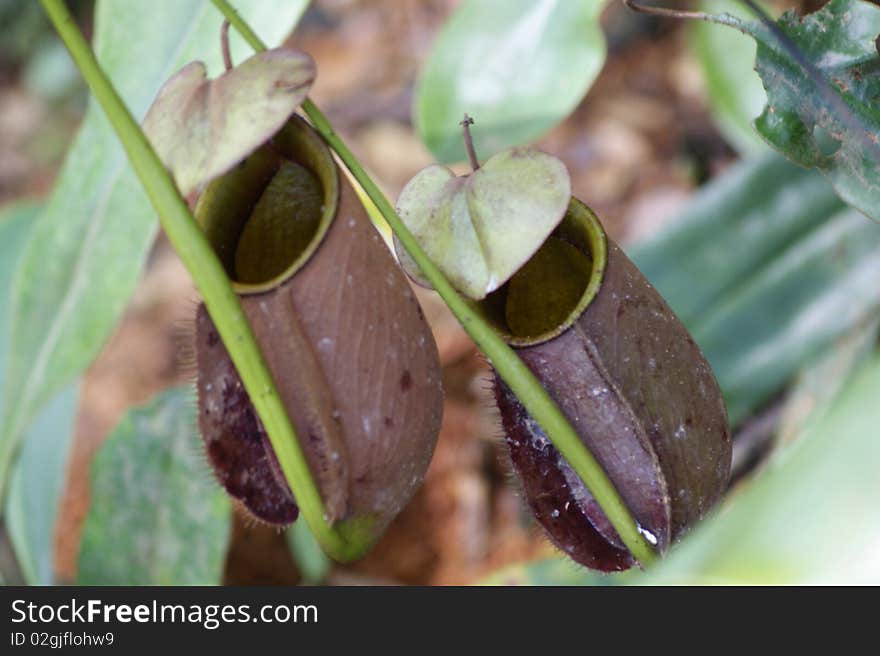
(553, 288)
(226, 211)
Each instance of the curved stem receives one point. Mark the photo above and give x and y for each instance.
(340, 541)
(512, 370)
(665, 12)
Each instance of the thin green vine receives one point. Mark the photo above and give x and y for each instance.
(343, 541)
(512, 370)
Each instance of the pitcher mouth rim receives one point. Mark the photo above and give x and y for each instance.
(581, 228)
(298, 141)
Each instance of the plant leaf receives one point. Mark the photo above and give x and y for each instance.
(814, 292)
(38, 474)
(811, 518)
(16, 221)
(36, 485)
(766, 271)
(201, 128)
(156, 517)
(799, 120)
(479, 229)
(518, 67)
(818, 386)
(85, 252)
(727, 59)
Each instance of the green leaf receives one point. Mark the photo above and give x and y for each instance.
(16, 222)
(201, 128)
(36, 485)
(814, 292)
(799, 119)
(727, 59)
(157, 517)
(518, 67)
(810, 518)
(766, 271)
(38, 474)
(732, 228)
(481, 228)
(85, 253)
(819, 384)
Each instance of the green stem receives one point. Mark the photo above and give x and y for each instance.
(720, 19)
(340, 541)
(512, 370)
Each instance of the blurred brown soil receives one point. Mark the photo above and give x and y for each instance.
(636, 147)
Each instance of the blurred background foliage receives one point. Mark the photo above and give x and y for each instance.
(775, 276)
